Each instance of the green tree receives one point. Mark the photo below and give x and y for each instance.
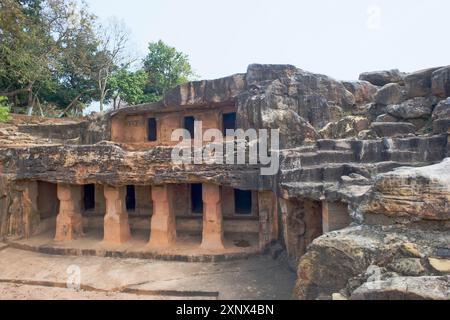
(127, 86)
(166, 68)
(4, 109)
(52, 53)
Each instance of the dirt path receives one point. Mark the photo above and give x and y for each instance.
(29, 275)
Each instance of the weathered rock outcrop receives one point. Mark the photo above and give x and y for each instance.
(206, 92)
(440, 82)
(411, 194)
(381, 78)
(418, 107)
(418, 84)
(405, 288)
(359, 261)
(390, 94)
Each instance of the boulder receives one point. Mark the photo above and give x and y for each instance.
(206, 92)
(442, 110)
(343, 260)
(347, 127)
(405, 288)
(441, 265)
(393, 129)
(381, 78)
(386, 118)
(391, 93)
(441, 126)
(440, 82)
(407, 266)
(419, 107)
(411, 194)
(418, 84)
(268, 72)
(441, 117)
(363, 91)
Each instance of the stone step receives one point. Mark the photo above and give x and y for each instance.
(314, 173)
(332, 172)
(326, 156)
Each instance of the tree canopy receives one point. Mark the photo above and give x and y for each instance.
(56, 58)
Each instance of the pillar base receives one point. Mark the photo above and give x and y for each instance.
(68, 227)
(116, 229)
(162, 232)
(212, 242)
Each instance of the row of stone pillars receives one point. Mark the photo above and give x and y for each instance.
(69, 224)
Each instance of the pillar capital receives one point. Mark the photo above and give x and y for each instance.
(210, 193)
(160, 193)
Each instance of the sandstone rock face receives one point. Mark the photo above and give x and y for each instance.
(405, 288)
(442, 110)
(355, 262)
(440, 82)
(206, 92)
(268, 72)
(418, 84)
(381, 78)
(393, 129)
(296, 101)
(347, 127)
(411, 194)
(363, 91)
(390, 94)
(414, 108)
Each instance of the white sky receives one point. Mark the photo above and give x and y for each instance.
(340, 38)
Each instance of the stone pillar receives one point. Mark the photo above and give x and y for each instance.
(212, 237)
(162, 229)
(100, 206)
(268, 222)
(69, 222)
(116, 227)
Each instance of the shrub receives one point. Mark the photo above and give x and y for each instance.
(4, 109)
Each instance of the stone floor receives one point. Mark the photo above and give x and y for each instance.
(32, 275)
(187, 247)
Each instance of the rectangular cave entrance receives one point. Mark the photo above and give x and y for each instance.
(228, 122)
(47, 205)
(189, 123)
(196, 198)
(242, 202)
(151, 129)
(130, 198)
(89, 197)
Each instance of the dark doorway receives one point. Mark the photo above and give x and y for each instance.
(89, 196)
(242, 201)
(196, 198)
(130, 198)
(229, 122)
(151, 129)
(189, 125)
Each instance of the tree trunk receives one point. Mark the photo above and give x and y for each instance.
(69, 106)
(30, 103)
